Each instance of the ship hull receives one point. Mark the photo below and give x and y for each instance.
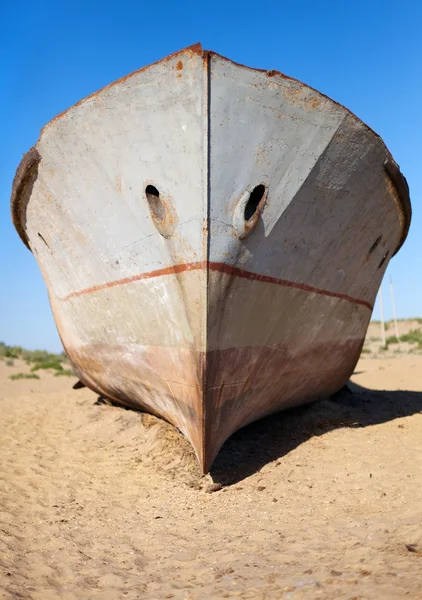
(212, 238)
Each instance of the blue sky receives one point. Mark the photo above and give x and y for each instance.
(366, 55)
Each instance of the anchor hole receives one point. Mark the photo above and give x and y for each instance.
(155, 203)
(254, 199)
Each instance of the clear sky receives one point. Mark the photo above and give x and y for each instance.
(366, 55)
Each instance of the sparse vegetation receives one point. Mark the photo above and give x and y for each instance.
(411, 320)
(24, 376)
(65, 372)
(36, 360)
(9, 351)
(401, 320)
(41, 356)
(410, 340)
(39, 359)
(48, 364)
(413, 337)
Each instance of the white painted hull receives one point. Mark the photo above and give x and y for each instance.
(179, 304)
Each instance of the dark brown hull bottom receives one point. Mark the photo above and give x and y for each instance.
(209, 396)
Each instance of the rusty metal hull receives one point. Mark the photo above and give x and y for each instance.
(212, 238)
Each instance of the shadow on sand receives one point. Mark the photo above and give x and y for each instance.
(271, 438)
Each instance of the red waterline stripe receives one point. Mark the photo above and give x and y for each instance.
(221, 268)
(158, 273)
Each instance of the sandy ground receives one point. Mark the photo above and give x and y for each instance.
(318, 502)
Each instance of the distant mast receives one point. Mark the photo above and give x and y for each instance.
(393, 304)
(382, 318)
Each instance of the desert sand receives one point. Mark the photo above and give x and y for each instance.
(324, 501)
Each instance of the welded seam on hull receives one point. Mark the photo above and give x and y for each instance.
(221, 268)
(207, 59)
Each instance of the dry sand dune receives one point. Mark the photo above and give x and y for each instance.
(318, 502)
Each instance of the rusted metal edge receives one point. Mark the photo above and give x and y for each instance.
(194, 49)
(25, 177)
(401, 186)
(208, 54)
(274, 73)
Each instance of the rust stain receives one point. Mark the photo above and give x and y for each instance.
(293, 91)
(221, 268)
(119, 183)
(179, 65)
(274, 73)
(312, 102)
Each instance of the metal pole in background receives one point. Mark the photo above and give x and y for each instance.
(393, 304)
(382, 319)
